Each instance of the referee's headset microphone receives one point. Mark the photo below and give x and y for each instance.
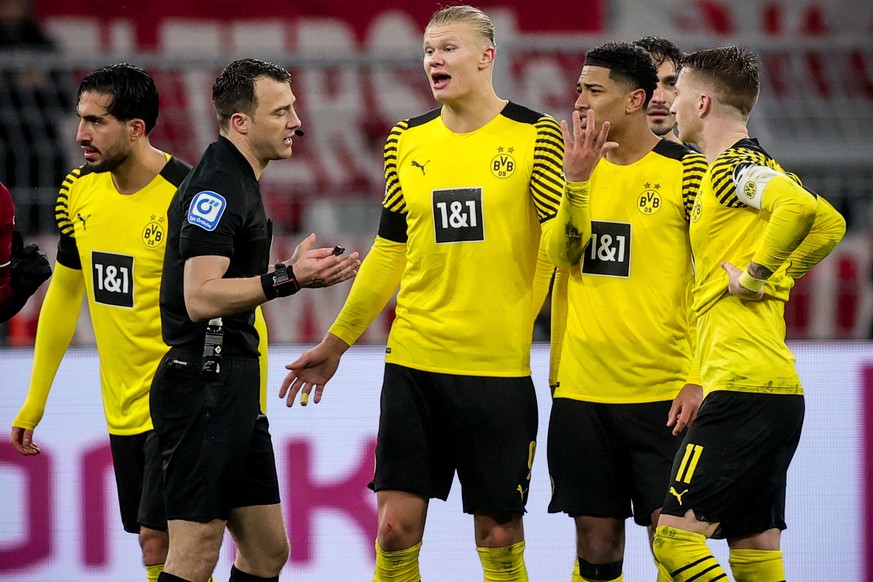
(298, 132)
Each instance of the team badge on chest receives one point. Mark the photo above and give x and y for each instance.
(649, 201)
(154, 232)
(503, 164)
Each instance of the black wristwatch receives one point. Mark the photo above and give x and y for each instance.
(279, 283)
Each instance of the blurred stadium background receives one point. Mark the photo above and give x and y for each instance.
(357, 70)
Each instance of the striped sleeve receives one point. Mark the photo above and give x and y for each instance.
(694, 167)
(393, 200)
(62, 205)
(547, 179)
(68, 252)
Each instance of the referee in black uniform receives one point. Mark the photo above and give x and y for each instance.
(219, 466)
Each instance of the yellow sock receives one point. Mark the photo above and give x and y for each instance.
(757, 565)
(152, 572)
(577, 577)
(397, 566)
(663, 574)
(685, 556)
(504, 564)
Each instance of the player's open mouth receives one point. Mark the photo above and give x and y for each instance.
(440, 80)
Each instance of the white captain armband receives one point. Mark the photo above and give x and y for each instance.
(750, 181)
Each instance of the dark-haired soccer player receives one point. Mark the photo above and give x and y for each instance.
(666, 56)
(112, 215)
(218, 460)
(624, 363)
(754, 230)
(470, 189)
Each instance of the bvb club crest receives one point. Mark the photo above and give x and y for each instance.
(696, 210)
(154, 232)
(649, 201)
(503, 164)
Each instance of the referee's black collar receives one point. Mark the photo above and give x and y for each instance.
(227, 146)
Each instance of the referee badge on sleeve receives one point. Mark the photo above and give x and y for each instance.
(206, 209)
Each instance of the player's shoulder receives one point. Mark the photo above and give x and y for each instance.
(76, 180)
(522, 114)
(679, 152)
(746, 150)
(407, 126)
(419, 120)
(175, 171)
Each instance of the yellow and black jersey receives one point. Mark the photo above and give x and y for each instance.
(118, 242)
(726, 229)
(628, 336)
(460, 232)
(743, 342)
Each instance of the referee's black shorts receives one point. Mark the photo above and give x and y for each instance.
(432, 425)
(215, 442)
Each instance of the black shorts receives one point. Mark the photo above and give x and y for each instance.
(136, 460)
(432, 425)
(215, 443)
(731, 467)
(609, 460)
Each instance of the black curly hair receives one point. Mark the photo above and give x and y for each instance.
(628, 63)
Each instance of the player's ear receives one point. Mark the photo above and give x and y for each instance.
(704, 106)
(239, 122)
(636, 100)
(487, 57)
(137, 129)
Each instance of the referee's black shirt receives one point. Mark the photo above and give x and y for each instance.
(217, 211)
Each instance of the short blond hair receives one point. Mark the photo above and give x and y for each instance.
(480, 21)
(731, 70)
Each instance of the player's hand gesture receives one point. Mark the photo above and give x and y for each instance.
(582, 147)
(321, 267)
(22, 441)
(312, 370)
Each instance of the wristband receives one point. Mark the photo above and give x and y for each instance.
(750, 283)
(279, 283)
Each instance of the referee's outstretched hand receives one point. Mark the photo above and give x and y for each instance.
(312, 370)
(320, 267)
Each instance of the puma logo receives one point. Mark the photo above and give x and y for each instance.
(521, 491)
(678, 496)
(83, 219)
(420, 166)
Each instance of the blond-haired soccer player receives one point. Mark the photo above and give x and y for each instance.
(754, 230)
(470, 189)
(627, 383)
